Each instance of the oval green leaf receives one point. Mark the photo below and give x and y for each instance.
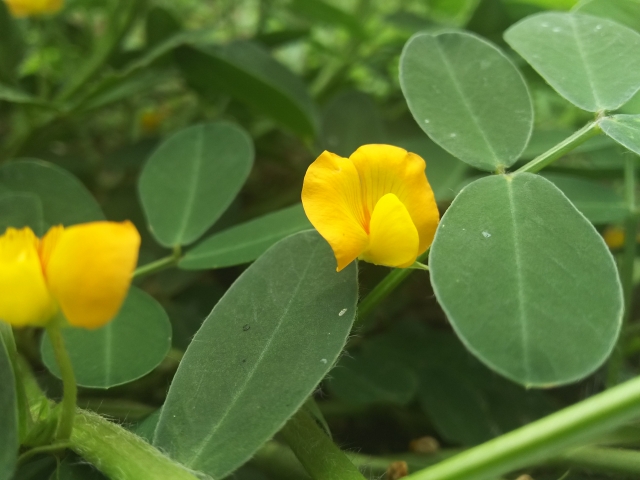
(259, 355)
(599, 203)
(626, 12)
(349, 120)
(245, 242)
(63, 198)
(21, 210)
(468, 97)
(8, 415)
(526, 281)
(369, 378)
(127, 348)
(191, 179)
(624, 129)
(249, 73)
(592, 62)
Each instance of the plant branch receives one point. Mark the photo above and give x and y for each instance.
(585, 133)
(159, 265)
(322, 459)
(543, 439)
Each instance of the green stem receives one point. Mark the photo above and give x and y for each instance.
(70, 393)
(605, 460)
(159, 265)
(322, 459)
(543, 439)
(585, 133)
(383, 289)
(120, 454)
(121, 18)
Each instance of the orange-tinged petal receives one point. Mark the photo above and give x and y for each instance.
(393, 238)
(88, 268)
(24, 297)
(332, 200)
(387, 169)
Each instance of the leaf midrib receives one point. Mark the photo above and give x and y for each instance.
(200, 450)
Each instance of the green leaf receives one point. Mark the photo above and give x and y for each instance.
(350, 120)
(259, 355)
(457, 410)
(369, 378)
(454, 12)
(444, 171)
(15, 95)
(21, 210)
(160, 25)
(592, 62)
(192, 178)
(318, 11)
(245, 242)
(11, 45)
(626, 12)
(63, 198)
(468, 97)
(624, 129)
(523, 277)
(127, 348)
(490, 405)
(248, 73)
(8, 415)
(598, 202)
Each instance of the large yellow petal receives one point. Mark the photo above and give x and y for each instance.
(24, 297)
(88, 268)
(387, 169)
(393, 238)
(332, 200)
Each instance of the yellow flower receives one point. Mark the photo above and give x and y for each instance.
(614, 237)
(376, 205)
(27, 8)
(84, 271)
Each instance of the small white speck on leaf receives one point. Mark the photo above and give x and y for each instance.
(453, 135)
(342, 312)
(598, 27)
(556, 29)
(426, 120)
(323, 360)
(486, 234)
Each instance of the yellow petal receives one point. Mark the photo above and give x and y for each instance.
(24, 297)
(25, 8)
(393, 238)
(88, 268)
(387, 169)
(332, 200)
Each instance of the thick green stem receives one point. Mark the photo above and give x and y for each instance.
(70, 393)
(383, 289)
(120, 454)
(159, 265)
(543, 439)
(550, 156)
(322, 459)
